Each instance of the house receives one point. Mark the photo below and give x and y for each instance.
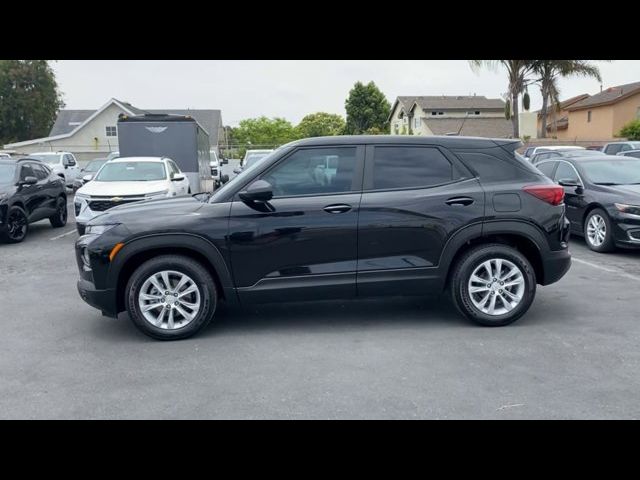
(597, 117)
(472, 115)
(558, 117)
(90, 134)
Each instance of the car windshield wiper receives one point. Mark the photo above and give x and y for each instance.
(606, 183)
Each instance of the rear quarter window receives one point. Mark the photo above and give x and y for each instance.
(494, 168)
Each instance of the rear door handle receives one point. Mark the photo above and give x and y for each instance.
(339, 208)
(460, 201)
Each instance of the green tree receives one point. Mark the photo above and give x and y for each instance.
(29, 100)
(518, 75)
(262, 133)
(548, 73)
(320, 124)
(367, 110)
(631, 130)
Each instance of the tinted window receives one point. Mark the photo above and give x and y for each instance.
(26, 171)
(613, 149)
(634, 153)
(40, 171)
(70, 160)
(314, 171)
(494, 169)
(566, 172)
(410, 167)
(547, 168)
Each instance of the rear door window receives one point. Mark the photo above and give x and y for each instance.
(547, 168)
(398, 167)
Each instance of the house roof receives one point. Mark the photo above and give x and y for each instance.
(560, 124)
(607, 97)
(566, 103)
(459, 102)
(69, 122)
(472, 127)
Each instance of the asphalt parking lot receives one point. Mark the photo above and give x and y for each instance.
(574, 355)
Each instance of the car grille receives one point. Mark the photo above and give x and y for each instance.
(100, 204)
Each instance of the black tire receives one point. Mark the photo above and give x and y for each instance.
(203, 280)
(60, 218)
(463, 270)
(608, 245)
(15, 232)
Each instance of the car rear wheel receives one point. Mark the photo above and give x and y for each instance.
(17, 225)
(493, 285)
(171, 297)
(598, 231)
(60, 218)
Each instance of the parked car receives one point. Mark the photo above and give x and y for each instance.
(88, 172)
(540, 156)
(614, 148)
(251, 157)
(126, 180)
(401, 216)
(216, 169)
(630, 153)
(602, 194)
(531, 151)
(29, 192)
(597, 148)
(63, 164)
(4, 155)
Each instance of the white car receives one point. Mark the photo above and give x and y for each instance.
(126, 180)
(531, 151)
(63, 164)
(4, 155)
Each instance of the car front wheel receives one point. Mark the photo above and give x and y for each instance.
(17, 225)
(598, 232)
(171, 297)
(493, 285)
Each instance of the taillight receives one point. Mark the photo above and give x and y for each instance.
(552, 194)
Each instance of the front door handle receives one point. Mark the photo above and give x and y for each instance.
(339, 208)
(465, 201)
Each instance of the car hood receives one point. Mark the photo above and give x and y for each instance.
(631, 191)
(96, 188)
(151, 211)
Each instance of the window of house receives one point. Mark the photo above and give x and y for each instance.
(589, 116)
(434, 113)
(314, 171)
(416, 122)
(440, 113)
(111, 131)
(410, 167)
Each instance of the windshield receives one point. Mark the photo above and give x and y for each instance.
(6, 173)
(230, 185)
(635, 145)
(132, 172)
(612, 172)
(50, 158)
(253, 158)
(94, 165)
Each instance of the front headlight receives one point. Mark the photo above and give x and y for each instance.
(99, 229)
(624, 208)
(161, 194)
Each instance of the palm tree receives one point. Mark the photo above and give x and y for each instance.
(518, 72)
(548, 72)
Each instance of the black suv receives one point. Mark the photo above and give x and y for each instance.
(337, 217)
(29, 191)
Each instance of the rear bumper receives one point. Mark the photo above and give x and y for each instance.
(556, 265)
(103, 300)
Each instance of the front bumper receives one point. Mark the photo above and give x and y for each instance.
(103, 300)
(626, 230)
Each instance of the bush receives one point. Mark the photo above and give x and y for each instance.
(631, 130)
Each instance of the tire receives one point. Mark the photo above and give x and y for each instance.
(11, 234)
(60, 218)
(505, 311)
(141, 283)
(598, 221)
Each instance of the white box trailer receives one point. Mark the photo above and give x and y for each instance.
(178, 137)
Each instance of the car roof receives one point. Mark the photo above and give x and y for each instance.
(454, 141)
(137, 159)
(259, 151)
(596, 158)
(560, 147)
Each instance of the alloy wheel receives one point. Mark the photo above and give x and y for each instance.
(596, 230)
(16, 225)
(496, 286)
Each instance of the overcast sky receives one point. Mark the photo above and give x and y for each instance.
(291, 88)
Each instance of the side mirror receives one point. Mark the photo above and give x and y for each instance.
(258, 191)
(177, 177)
(29, 181)
(569, 182)
(87, 178)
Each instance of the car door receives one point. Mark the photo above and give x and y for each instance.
(31, 195)
(47, 189)
(573, 197)
(72, 169)
(302, 244)
(415, 197)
